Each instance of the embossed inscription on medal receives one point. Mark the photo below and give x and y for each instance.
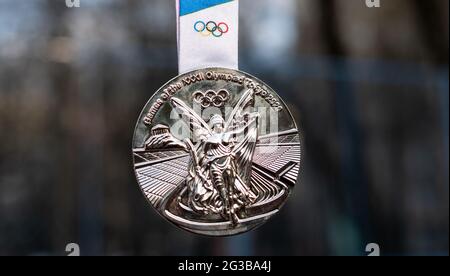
(172, 89)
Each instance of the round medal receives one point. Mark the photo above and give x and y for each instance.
(216, 152)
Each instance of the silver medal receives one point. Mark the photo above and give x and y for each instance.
(216, 152)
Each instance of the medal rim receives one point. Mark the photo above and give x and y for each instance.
(290, 189)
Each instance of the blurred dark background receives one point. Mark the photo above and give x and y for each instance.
(369, 88)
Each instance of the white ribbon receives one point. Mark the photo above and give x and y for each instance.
(208, 32)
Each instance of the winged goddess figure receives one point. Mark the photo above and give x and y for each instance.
(218, 181)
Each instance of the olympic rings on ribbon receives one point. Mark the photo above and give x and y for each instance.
(212, 98)
(211, 27)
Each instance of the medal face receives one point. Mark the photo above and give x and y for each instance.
(216, 152)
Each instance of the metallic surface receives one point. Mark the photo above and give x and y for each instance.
(216, 152)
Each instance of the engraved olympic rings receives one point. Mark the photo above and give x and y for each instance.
(211, 28)
(212, 98)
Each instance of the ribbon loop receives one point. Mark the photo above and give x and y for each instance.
(208, 32)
